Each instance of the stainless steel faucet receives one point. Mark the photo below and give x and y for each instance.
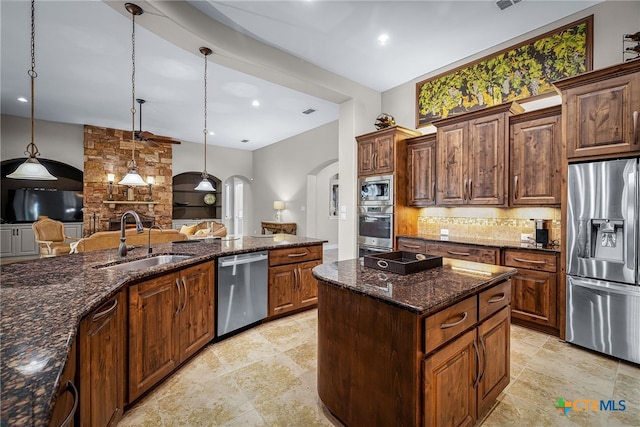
(122, 249)
(149, 250)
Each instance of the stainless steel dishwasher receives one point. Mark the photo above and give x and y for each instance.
(242, 291)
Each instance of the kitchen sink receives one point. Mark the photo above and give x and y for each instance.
(139, 264)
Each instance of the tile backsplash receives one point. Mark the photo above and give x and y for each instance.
(488, 223)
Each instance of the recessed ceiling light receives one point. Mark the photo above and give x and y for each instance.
(23, 99)
(383, 39)
(244, 140)
(255, 103)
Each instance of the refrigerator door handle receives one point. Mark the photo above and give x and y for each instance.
(606, 287)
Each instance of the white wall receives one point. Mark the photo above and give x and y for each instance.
(612, 19)
(280, 173)
(319, 223)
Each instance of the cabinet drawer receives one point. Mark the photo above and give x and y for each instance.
(493, 299)
(411, 245)
(292, 255)
(467, 253)
(446, 324)
(530, 260)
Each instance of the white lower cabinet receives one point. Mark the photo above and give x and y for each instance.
(18, 240)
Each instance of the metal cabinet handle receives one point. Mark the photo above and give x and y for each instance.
(497, 298)
(382, 263)
(464, 192)
(470, 189)
(101, 314)
(296, 279)
(530, 261)
(186, 294)
(635, 127)
(69, 419)
(459, 253)
(451, 325)
(484, 359)
(297, 255)
(406, 245)
(477, 380)
(434, 190)
(515, 191)
(179, 295)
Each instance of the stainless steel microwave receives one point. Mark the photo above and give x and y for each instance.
(376, 190)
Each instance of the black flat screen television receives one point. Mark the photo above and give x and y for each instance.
(27, 204)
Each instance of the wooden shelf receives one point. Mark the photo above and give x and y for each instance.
(112, 203)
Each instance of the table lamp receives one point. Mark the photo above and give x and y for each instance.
(278, 205)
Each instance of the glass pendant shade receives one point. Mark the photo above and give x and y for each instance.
(205, 185)
(32, 169)
(132, 177)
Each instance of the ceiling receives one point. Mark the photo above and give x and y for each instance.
(83, 59)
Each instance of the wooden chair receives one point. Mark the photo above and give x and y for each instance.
(51, 238)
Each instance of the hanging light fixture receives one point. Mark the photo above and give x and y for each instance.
(32, 168)
(205, 184)
(133, 178)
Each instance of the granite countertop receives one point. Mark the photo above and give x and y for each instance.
(467, 240)
(44, 300)
(423, 292)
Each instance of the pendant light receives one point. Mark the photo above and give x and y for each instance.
(205, 184)
(32, 168)
(133, 178)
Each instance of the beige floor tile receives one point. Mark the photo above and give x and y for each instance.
(628, 388)
(305, 355)
(243, 349)
(529, 336)
(251, 418)
(629, 368)
(287, 335)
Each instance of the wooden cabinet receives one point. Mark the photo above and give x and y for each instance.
(600, 111)
(382, 152)
(472, 153)
(411, 245)
(102, 363)
(534, 289)
(170, 318)
(421, 167)
(67, 397)
(291, 284)
(482, 254)
(536, 150)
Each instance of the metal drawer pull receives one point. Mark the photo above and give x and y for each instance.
(531, 261)
(515, 193)
(451, 325)
(382, 264)
(470, 189)
(484, 361)
(497, 298)
(186, 293)
(296, 255)
(464, 193)
(100, 315)
(459, 253)
(411, 246)
(475, 347)
(179, 296)
(72, 388)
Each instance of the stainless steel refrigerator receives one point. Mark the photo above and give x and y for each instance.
(603, 277)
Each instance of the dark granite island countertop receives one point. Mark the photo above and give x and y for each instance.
(421, 292)
(43, 301)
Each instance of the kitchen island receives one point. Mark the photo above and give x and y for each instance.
(44, 301)
(429, 348)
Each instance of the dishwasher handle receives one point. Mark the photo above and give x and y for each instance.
(224, 262)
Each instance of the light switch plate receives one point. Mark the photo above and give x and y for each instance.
(444, 231)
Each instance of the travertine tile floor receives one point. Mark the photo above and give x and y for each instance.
(267, 377)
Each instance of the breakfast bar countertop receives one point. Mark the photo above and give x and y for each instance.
(43, 301)
(422, 292)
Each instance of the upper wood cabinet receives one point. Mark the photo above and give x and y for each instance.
(536, 150)
(600, 111)
(379, 152)
(472, 153)
(421, 167)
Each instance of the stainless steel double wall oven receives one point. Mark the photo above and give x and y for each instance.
(375, 214)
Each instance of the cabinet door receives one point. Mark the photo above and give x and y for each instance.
(365, 158)
(486, 157)
(102, 382)
(196, 311)
(599, 117)
(307, 286)
(73, 230)
(383, 154)
(493, 337)
(421, 164)
(67, 394)
(535, 162)
(282, 289)
(26, 241)
(452, 164)
(153, 310)
(449, 376)
(7, 243)
(533, 297)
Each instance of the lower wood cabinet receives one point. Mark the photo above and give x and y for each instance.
(170, 318)
(102, 363)
(67, 397)
(291, 284)
(484, 255)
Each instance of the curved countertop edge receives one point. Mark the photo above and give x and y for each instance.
(503, 244)
(63, 290)
(421, 293)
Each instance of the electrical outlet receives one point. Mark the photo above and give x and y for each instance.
(444, 231)
(524, 237)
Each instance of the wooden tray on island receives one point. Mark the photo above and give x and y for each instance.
(402, 262)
